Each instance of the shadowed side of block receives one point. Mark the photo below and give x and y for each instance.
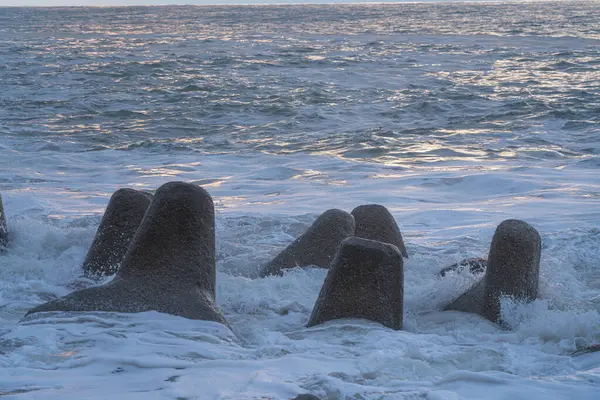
(118, 226)
(317, 246)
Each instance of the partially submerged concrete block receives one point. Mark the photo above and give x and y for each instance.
(513, 270)
(365, 280)
(118, 226)
(375, 222)
(170, 264)
(317, 246)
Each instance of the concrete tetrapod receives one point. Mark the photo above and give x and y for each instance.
(513, 270)
(317, 246)
(375, 222)
(170, 264)
(118, 226)
(3, 227)
(365, 280)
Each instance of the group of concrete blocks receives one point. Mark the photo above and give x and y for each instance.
(162, 249)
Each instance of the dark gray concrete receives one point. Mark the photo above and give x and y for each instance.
(513, 270)
(375, 222)
(170, 264)
(122, 217)
(317, 246)
(472, 301)
(475, 265)
(306, 396)
(365, 280)
(3, 227)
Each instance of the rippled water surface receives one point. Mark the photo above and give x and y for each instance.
(389, 83)
(453, 115)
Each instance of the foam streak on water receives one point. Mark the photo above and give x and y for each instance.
(454, 116)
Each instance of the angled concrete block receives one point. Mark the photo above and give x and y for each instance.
(365, 280)
(118, 226)
(317, 246)
(170, 264)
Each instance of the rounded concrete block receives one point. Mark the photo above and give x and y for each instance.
(513, 265)
(513, 270)
(375, 222)
(365, 280)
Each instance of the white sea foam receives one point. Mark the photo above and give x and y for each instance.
(270, 353)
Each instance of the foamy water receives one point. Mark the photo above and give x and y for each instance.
(454, 116)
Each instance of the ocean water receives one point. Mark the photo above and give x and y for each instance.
(455, 116)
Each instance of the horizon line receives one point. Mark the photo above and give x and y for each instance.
(291, 3)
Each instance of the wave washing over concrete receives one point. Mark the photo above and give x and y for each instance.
(454, 116)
